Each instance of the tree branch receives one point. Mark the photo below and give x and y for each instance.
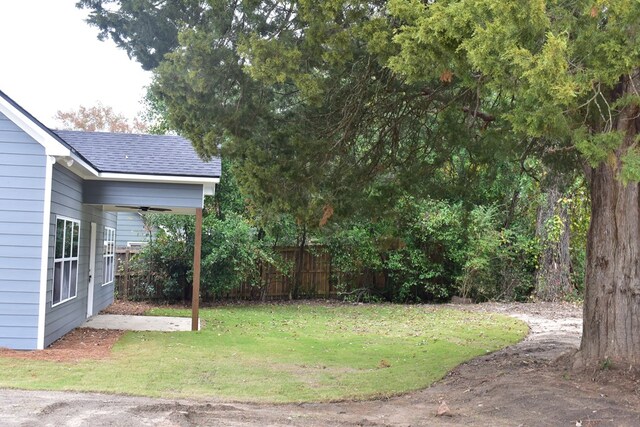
(479, 114)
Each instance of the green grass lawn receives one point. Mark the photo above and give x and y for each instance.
(286, 353)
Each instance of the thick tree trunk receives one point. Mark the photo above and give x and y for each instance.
(553, 280)
(611, 327)
(612, 280)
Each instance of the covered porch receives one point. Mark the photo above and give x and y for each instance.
(155, 198)
(144, 173)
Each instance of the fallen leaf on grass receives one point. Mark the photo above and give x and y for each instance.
(384, 364)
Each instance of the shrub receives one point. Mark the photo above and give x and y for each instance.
(499, 263)
(355, 260)
(232, 254)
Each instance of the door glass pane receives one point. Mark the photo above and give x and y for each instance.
(57, 281)
(68, 237)
(73, 279)
(76, 232)
(59, 238)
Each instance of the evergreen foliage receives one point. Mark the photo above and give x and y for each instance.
(339, 112)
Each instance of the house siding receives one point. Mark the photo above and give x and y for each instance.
(143, 194)
(67, 201)
(130, 229)
(22, 195)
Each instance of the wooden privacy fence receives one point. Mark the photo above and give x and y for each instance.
(130, 285)
(127, 281)
(317, 278)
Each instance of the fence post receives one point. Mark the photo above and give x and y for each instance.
(126, 274)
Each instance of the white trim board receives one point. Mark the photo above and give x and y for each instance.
(174, 179)
(44, 254)
(87, 172)
(93, 242)
(52, 146)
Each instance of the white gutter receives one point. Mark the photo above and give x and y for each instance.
(111, 176)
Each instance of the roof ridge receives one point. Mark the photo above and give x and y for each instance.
(118, 133)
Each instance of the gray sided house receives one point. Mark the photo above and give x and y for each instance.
(131, 231)
(59, 195)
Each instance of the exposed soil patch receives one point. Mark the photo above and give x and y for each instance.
(79, 344)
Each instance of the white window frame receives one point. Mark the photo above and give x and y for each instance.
(64, 260)
(108, 256)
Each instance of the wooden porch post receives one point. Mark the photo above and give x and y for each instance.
(195, 301)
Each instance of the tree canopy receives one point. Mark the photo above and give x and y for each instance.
(301, 95)
(146, 29)
(551, 70)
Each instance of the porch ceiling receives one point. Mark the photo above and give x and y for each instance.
(144, 196)
(150, 209)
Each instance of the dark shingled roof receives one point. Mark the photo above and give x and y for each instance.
(140, 154)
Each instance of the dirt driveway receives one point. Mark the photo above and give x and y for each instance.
(524, 385)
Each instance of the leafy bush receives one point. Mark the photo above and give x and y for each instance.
(499, 263)
(164, 265)
(580, 215)
(425, 267)
(232, 255)
(430, 250)
(355, 258)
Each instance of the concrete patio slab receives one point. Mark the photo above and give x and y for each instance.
(138, 323)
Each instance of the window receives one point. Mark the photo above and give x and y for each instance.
(108, 254)
(65, 263)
